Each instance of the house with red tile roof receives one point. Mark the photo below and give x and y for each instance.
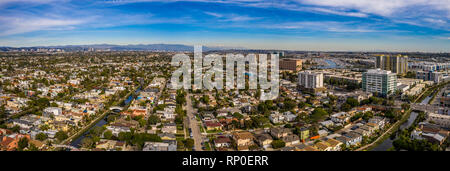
(213, 125)
(222, 142)
(10, 143)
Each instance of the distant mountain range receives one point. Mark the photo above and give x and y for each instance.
(138, 47)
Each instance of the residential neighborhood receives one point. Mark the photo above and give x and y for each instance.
(125, 101)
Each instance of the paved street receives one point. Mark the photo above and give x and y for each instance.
(436, 101)
(193, 124)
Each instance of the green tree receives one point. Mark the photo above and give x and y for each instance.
(181, 97)
(142, 122)
(44, 127)
(238, 115)
(41, 103)
(87, 142)
(376, 100)
(346, 107)
(108, 134)
(179, 119)
(41, 136)
(15, 129)
(289, 104)
(405, 106)
(32, 147)
(189, 143)
(301, 105)
(22, 144)
(318, 114)
(276, 144)
(367, 115)
(125, 136)
(365, 101)
(97, 131)
(61, 135)
(352, 102)
(205, 99)
(153, 119)
(140, 138)
(180, 144)
(2, 112)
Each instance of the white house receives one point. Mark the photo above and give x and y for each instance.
(276, 118)
(340, 117)
(55, 111)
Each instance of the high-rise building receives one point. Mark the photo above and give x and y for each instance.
(291, 64)
(379, 81)
(397, 64)
(311, 80)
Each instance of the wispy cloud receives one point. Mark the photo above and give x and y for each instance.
(327, 26)
(435, 21)
(23, 25)
(382, 7)
(396, 10)
(214, 14)
(70, 17)
(232, 17)
(5, 2)
(425, 13)
(336, 12)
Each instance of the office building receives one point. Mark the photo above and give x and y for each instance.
(379, 81)
(291, 64)
(429, 76)
(428, 66)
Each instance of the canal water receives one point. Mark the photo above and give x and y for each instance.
(331, 65)
(77, 142)
(386, 144)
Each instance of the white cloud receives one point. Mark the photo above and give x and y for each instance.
(328, 26)
(417, 12)
(28, 2)
(17, 25)
(214, 14)
(239, 18)
(425, 13)
(336, 12)
(436, 21)
(339, 7)
(231, 17)
(381, 7)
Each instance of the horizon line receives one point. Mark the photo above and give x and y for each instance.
(226, 48)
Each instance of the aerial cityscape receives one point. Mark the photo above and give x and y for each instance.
(126, 75)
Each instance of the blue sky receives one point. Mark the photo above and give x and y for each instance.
(327, 25)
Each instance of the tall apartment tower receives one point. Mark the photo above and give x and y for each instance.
(379, 81)
(310, 80)
(397, 64)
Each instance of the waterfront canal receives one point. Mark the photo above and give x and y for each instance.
(387, 144)
(77, 142)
